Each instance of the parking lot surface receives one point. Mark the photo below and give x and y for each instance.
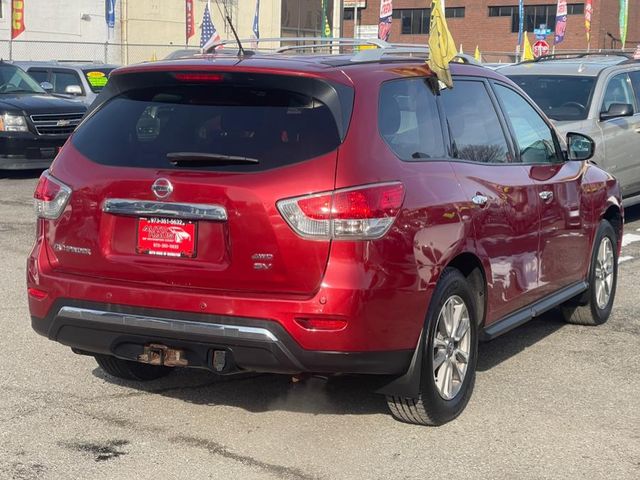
(551, 401)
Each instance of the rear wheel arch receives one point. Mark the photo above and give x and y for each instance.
(471, 267)
(613, 215)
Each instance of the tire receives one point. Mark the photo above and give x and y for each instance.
(587, 309)
(432, 407)
(129, 370)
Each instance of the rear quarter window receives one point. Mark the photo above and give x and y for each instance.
(275, 127)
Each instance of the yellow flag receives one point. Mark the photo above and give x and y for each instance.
(527, 51)
(478, 55)
(442, 49)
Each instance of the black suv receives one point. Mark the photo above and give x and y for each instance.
(33, 124)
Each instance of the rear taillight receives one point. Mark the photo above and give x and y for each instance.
(51, 196)
(360, 213)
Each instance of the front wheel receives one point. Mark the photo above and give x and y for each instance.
(594, 306)
(449, 359)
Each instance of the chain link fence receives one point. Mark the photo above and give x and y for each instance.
(115, 53)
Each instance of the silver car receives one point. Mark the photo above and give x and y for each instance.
(597, 95)
(81, 81)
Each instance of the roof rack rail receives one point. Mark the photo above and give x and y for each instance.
(584, 54)
(374, 50)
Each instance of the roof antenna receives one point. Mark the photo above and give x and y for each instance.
(241, 51)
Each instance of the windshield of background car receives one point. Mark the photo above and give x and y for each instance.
(97, 78)
(277, 127)
(14, 80)
(560, 97)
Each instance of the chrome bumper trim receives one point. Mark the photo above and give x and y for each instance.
(170, 325)
(145, 208)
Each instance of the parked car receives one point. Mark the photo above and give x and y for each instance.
(82, 80)
(33, 124)
(335, 216)
(598, 95)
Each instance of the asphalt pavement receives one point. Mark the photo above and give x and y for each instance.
(551, 401)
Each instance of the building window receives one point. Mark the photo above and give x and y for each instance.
(534, 15)
(415, 21)
(454, 12)
(348, 14)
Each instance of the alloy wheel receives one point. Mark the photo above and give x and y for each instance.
(604, 274)
(451, 347)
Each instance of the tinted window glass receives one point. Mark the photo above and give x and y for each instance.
(62, 79)
(38, 75)
(534, 137)
(408, 120)
(472, 120)
(276, 127)
(618, 91)
(13, 80)
(635, 81)
(560, 97)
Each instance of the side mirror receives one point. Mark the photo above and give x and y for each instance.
(73, 90)
(617, 110)
(580, 147)
(47, 87)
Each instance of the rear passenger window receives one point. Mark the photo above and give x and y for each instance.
(534, 137)
(473, 123)
(409, 121)
(635, 81)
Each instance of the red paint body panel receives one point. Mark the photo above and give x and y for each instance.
(381, 288)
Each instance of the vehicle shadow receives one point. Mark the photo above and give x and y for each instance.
(344, 394)
(20, 174)
(493, 353)
(631, 214)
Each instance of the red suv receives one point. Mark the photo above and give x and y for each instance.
(318, 214)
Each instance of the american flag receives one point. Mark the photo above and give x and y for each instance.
(208, 35)
(256, 26)
(256, 23)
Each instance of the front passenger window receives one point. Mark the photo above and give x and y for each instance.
(534, 137)
(618, 91)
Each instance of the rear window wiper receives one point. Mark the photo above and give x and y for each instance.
(203, 159)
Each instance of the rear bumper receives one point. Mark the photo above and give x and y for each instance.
(251, 344)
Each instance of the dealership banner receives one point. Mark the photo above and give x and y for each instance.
(110, 13)
(520, 20)
(190, 21)
(17, 18)
(588, 13)
(384, 24)
(624, 20)
(561, 22)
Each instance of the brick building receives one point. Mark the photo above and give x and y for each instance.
(493, 24)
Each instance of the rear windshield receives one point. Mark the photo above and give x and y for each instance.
(148, 127)
(560, 97)
(97, 78)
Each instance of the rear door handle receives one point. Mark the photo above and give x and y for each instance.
(546, 195)
(479, 200)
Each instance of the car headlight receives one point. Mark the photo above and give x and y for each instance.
(13, 123)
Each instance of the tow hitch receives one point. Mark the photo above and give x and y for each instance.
(156, 354)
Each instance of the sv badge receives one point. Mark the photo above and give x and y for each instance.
(262, 261)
